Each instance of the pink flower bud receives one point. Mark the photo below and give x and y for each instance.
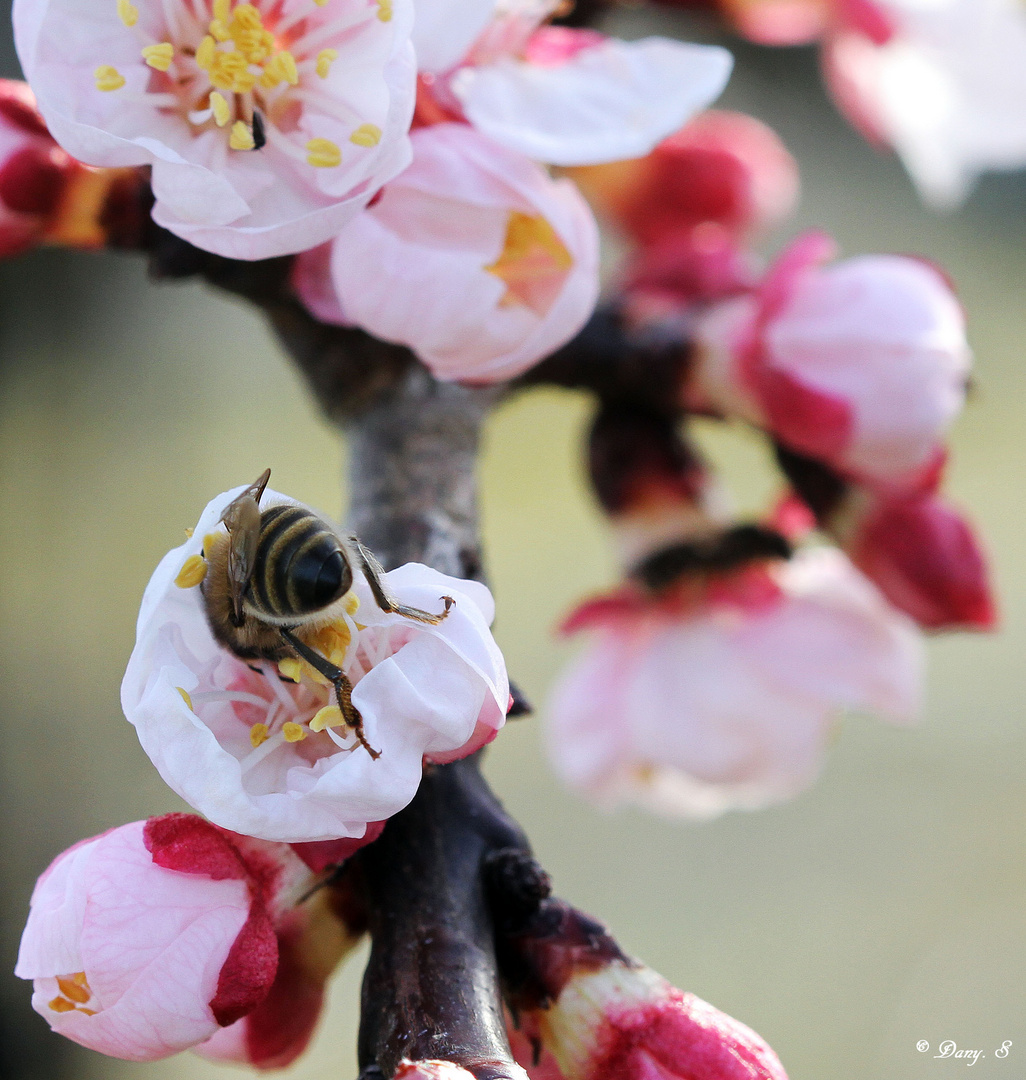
(923, 556)
(723, 168)
(33, 170)
(626, 1022)
(861, 365)
(150, 938)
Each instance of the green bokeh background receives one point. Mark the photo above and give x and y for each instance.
(882, 908)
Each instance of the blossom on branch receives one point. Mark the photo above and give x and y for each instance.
(482, 264)
(725, 695)
(560, 96)
(862, 364)
(268, 125)
(262, 748)
(943, 83)
(166, 934)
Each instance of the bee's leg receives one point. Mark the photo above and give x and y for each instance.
(340, 681)
(373, 571)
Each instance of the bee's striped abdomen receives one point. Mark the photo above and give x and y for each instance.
(299, 567)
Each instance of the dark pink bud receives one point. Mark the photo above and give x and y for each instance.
(18, 107)
(32, 179)
(924, 557)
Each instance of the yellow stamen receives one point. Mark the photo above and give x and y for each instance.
(206, 52)
(108, 78)
(59, 1005)
(230, 71)
(212, 538)
(291, 668)
(323, 154)
(366, 135)
(329, 716)
(320, 3)
(385, 10)
(159, 56)
(80, 978)
(533, 264)
(192, 572)
(293, 732)
(222, 10)
(74, 990)
(128, 12)
(258, 735)
(352, 604)
(188, 533)
(241, 137)
(185, 696)
(280, 68)
(324, 60)
(222, 114)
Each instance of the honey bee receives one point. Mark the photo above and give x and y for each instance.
(280, 575)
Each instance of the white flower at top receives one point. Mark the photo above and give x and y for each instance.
(942, 81)
(268, 125)
(261, 748)
(560, 96)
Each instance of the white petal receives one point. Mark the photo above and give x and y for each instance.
(444, 30)
(614, 101)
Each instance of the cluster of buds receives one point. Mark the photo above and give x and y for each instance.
(717, 671)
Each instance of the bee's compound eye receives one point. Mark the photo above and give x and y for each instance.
(320, 583)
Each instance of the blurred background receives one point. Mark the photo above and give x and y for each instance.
(882, 908)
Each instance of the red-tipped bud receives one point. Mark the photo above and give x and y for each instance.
(723, 167)
(626, 1022)
(779, 22)
(926, 560)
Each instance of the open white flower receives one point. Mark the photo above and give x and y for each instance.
(731, 705)
(268, 124)
(262, 749)
(942, 81)
(564, 97)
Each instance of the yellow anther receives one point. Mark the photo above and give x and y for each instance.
(230, 71)
(128, 12)
(159, 56)
(291, 668)
(241, 137)
(218, 30)
(80, 978)
(222, 114)
(221, 10)
(320, 3)
(385, 10)
(293, 732)
(325, 58)
(189, 532)
(352, 604)
(329, 716)
(258, 735)
(59, 1005)
(288, 65)
(212, 538)
(193, 571)
(185, 696)
(74, 990)
(108, 78)
(323, 154)
(206, 52)
(366, 135)
(246, 15)
(280, 68)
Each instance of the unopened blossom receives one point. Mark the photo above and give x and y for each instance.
(724, 695)
(267, 125)
(157, 936)
(560, 96)
(921, 553)
(861, 364)
(943, 83)
(263, 748)
(474, 258)
(722, 168)
(626, 1021)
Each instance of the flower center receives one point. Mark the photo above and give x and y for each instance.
(248, 72)
(74, 994)
(533, 264)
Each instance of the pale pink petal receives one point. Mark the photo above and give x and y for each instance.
(616, 100)
(444, 30)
